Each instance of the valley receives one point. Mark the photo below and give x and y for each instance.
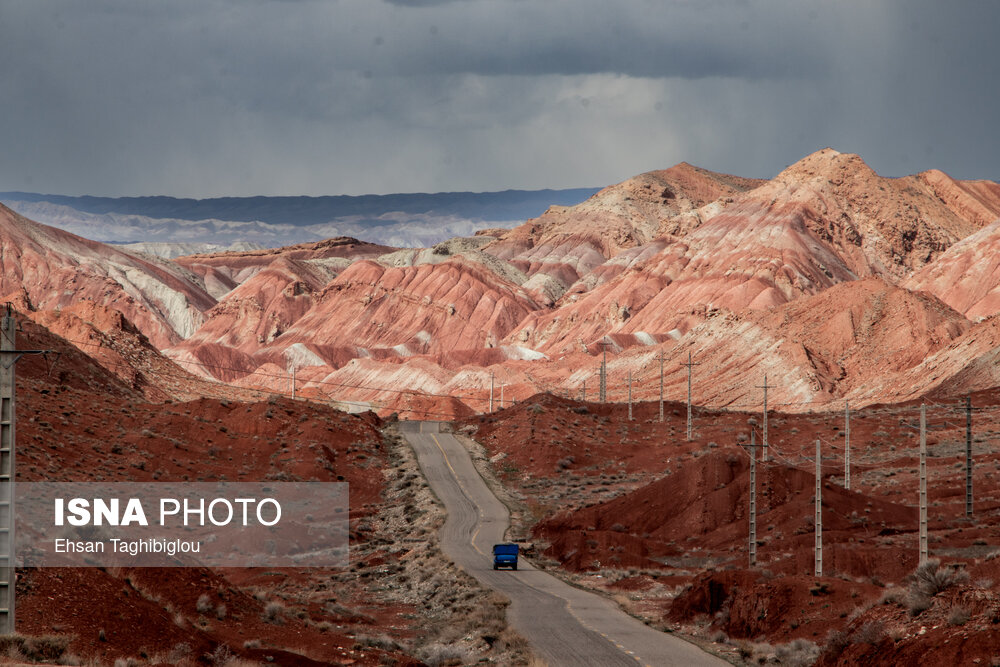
(544, 351)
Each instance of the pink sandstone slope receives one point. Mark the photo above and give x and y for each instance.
(56, 269)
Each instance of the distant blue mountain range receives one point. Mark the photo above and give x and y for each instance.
(506, 205)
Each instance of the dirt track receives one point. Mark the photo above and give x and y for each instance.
(566, 626)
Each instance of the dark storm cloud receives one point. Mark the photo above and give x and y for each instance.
(214, 97)
(422, 3)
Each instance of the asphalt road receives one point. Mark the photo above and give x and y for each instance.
(565, 625)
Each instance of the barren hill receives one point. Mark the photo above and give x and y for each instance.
(813, 276)
(567, 242)
(56, 269)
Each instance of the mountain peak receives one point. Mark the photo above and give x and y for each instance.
(830, 164)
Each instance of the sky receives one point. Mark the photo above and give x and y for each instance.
(204, 98)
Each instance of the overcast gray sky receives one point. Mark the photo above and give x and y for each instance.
(241, 97)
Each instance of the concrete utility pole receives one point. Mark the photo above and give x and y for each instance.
(847, 444)
(765, 387)
(753, 499)
(8, 358)
(604, 371)
(691, 365)
(968, 456)
(630, 395)
(661, 389)
(819, 511)
(923, 484)
(491, 391)
(7, 391)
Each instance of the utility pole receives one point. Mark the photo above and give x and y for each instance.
(8, 388)
(491, 391)
(765, 387)
(7, 395)
(293, 383)
(923, 484)
(753, 499)
(604, 370)
(661, 390)
(630, 395)
(819, 511)
(968, 456)
(847, 444)
(691, 365)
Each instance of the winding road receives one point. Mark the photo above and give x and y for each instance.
(565, 625)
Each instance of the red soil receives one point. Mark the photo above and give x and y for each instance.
(675, 513)
(78, 422)
(958, 628)
(746, 604)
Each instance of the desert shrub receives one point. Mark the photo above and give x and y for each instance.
(44, 648)
(442, 655)
(797, 653)
(274, 612)
(384, 642)
(931, 578)
(917, 603)
(204, 604)
(180, 651)
(761, 653)
(958, 616)
(836, 642)
(510, 641)
(220, 656)
(893, 596)
(869, 633)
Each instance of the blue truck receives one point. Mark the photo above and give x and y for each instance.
(505, 555)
